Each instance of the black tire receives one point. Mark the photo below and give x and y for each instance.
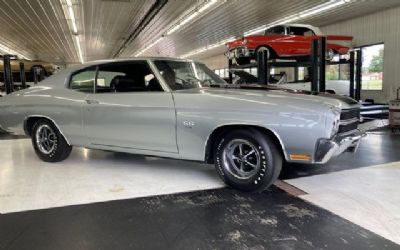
(53, 149)
(271, 53)
(242, 60)
(266, 152)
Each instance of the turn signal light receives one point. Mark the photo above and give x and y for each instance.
(300, 157)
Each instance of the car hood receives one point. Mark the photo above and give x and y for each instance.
(277, 96)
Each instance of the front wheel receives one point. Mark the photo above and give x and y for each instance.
(49, 144)
(248, 160)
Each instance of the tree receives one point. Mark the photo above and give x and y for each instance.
(376, 64)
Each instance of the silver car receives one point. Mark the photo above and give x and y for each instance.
(160, 107)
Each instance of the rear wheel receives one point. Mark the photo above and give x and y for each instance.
(49, 144)
(248, 160)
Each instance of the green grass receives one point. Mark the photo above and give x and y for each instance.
(372, 85)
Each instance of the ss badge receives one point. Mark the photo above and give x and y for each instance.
(188, 124)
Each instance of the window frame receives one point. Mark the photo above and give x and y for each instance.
(97, 69)
(369, 45)
(80, 71)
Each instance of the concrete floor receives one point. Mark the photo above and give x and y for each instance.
(356, 187)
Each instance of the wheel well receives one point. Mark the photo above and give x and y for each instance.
(272, 51)
(219, 132)
(30, 122)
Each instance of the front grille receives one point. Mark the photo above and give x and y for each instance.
(347, 128)
(349, 119)
(348, 114)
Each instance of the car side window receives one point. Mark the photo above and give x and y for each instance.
(83, 81)
(126, 77)
(277, 30)
(300, 31)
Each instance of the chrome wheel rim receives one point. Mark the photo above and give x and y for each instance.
(46, 139)
(330, 55)
(241, 158)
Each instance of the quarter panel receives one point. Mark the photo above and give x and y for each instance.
(298, 126)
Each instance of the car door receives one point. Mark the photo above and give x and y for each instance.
(300, 40)
(130, 109)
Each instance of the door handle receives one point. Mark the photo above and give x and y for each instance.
(92, 102)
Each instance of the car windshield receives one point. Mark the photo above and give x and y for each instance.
(186, 75)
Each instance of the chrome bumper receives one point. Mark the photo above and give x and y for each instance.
(328, 148)
(239, 52)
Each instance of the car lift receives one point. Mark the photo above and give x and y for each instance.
(316, 65)
(8, 76)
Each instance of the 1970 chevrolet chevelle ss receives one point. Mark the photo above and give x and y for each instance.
(159, 107)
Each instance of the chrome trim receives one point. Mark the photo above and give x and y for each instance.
(55, 124)
(328, 148)
(349, 121)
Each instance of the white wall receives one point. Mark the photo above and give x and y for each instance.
(378, 27)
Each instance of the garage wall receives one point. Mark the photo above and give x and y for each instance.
(378, 27)
(216, 62)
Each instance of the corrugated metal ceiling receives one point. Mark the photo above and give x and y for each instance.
(39, 28)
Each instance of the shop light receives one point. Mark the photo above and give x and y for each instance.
(195, 13)
(74, 29)
(191, 16)
(148, 47)
(312, 11)
(72, 16)
(7, 50)
(198, 51)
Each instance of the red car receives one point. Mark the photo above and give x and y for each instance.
(292, 41)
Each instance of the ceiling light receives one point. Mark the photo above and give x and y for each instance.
(71, 15)
(215, 45)
(312, 11)
(191, 16)
(148, 46)
(196, 12)
(10, 51)
(79, 48)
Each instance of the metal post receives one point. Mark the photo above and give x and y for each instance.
(262, 66)
(296, 74)
(35, 75)
(314, 65)
(8, 80)
(351, 77)
(322, 65)
(358, 75)
(229, 70)
(22, 74)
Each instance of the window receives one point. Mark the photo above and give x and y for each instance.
(300, 31)
(186, 75)
(83, 81)
(277, 30)
(126, 77)
(372, 67)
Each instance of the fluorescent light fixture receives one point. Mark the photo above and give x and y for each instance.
(148, 46)
(312, 11)
(71, 15)
(79, 48)
(215, 45)
(191, 16)
(179, 24)
(10, 51)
